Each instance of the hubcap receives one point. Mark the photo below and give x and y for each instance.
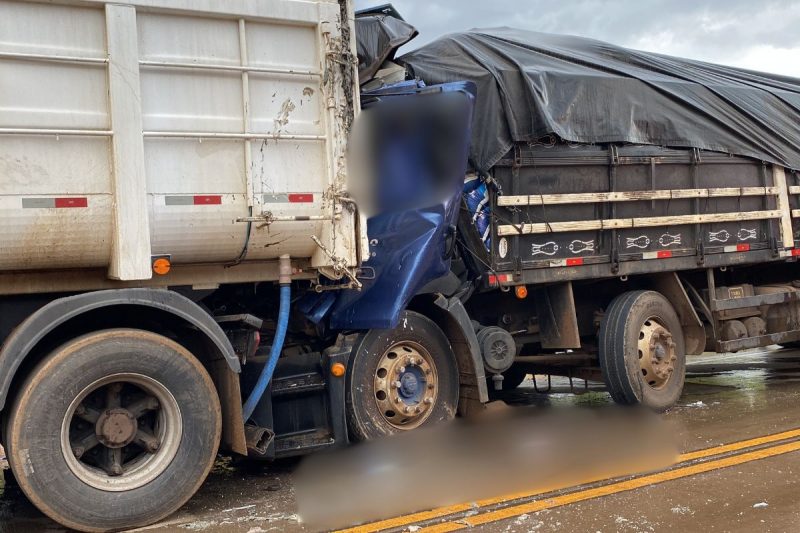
(116, 428)
(121, 432)
(656, 353)
(406, 385)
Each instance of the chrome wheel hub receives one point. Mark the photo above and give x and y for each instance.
(406, 385)
(121, 432)
(656, 353)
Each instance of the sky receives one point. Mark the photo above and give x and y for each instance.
(755, 34)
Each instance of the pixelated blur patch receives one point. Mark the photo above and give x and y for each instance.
(503, 451)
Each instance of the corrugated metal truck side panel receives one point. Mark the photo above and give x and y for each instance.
(146, 128)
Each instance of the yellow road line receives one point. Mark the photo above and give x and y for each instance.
(614, 488)
(734, 446)
(440, 512)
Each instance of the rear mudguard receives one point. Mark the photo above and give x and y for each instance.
(451, 316)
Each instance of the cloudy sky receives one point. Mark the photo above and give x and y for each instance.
(755, 34)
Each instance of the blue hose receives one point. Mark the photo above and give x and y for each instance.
(274, 354)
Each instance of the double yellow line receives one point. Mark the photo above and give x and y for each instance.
(534, 505)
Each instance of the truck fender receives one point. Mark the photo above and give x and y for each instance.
(33, 329)
(451, 316)
(694, 333)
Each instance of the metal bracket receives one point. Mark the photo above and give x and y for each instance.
(268, 218)
(611, 208)
(339, 267)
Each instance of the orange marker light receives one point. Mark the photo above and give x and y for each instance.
(161, 266)
(337, 370)
(521, 291)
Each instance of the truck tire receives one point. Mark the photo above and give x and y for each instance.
(417, 356)
(115, 429)
(642, 353)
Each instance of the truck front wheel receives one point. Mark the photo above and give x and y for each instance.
(115, 429)
(401, 379)
(642, 354)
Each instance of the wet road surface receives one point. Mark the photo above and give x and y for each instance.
(732, 398)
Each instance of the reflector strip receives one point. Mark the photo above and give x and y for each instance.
(301, 198)
(736, 248)
(54, 203)
(499, 278)
(289, 198)
(71, 202)
(212, 199)
(208, 199)
(661, 254)
(575, 261)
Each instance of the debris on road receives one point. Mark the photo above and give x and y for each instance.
(698, 403)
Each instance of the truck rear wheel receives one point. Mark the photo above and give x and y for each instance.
(115, 429)
(401, 379)
(642, 353)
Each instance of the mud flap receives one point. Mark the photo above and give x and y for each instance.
(451, 316)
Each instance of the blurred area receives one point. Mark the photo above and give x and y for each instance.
(501, 452)
(727, 398)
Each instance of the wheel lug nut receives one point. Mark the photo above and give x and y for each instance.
(417, 410)
(428, 401)
(77, 452)
(407, 410)
(398, 384)
(401, 370)
(116, 470)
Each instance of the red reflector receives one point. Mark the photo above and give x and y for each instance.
(209, 199)
(664, 253)
(492, 280)
(742, 247)
(796, 252)
(505, 278)
(301, 198)
(71, 202)
(575, 261)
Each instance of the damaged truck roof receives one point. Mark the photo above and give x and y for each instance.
(534, 84)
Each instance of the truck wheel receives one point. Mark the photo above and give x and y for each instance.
(401, 379)
(115, 429)
(642, 353)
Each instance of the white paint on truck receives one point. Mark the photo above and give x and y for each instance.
(213, 132)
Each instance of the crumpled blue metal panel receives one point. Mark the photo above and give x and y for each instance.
(408, 246)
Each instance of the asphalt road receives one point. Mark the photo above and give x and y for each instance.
(738, 432)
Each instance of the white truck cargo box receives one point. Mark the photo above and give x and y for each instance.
(211, 132)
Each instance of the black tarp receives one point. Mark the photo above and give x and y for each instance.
(377, 39)
(535, 84)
